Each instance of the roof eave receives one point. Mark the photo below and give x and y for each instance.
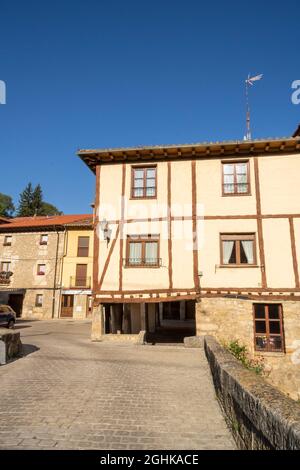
(94, 157)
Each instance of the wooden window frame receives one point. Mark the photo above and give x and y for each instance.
(37, 304)
(41, 239)
(40, 273)
(238, 237)
(235, 193)
(144, 188)
(268, 335)
(142, 239)
(83, 247)
(5, 270)
(5, 243)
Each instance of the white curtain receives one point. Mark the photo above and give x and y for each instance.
(248, 249)
(151, 252)
(135, 253)
(227, 250)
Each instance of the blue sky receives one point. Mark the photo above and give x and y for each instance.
(93, 73)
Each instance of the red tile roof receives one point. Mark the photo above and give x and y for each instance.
(46, 221)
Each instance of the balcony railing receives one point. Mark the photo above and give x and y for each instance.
(142, 262)
(5, 277)
(80, 282)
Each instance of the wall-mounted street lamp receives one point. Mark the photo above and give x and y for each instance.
(106, 230)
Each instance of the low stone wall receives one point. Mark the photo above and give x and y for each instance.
(12, 342)
(122, 338)
(259, 415)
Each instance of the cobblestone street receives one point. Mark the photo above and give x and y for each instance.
(69, 393)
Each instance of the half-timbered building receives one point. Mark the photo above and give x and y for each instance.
(204, 238)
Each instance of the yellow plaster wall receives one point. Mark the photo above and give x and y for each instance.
(209, 256)
(70, 260)
(279, 184)
(278, 254)
(209, 191)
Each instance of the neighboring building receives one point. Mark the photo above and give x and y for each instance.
(206, 231)
(32, 256)
(77, 272)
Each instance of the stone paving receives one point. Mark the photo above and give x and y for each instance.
(69, 393)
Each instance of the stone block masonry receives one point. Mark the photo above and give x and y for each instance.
(229, 319)
(12, 342)
(260, 416)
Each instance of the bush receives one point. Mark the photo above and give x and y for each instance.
(240, 352)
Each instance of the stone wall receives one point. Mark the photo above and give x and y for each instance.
(25, 253)
(80, 306)
(30, 311)
(259, 415)
(229, 319)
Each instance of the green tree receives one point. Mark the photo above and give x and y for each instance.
(7, 207)
(31, 203)
(49, 209)
(25, 208)
(37, 200)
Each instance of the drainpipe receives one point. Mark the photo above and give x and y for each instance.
(55, 271)
(66, 234)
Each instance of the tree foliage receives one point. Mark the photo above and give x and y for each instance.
(7, 207)
(31, 203)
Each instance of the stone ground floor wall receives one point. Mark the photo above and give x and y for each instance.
(231, 319)
(30, 311)
(80, 309)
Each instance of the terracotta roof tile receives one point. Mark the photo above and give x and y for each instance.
(48, 221)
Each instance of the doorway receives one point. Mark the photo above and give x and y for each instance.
(173, 322)
(16, 303)
(67, 304)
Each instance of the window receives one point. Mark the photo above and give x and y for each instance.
(235, 178)
(39, 300)
(238, 250)
(268, 327)
(7, 240)
(5, 266)
(83, 246)
(44, 239)
(41, 269)
(81, 275)
(143, 250)
(143, 182)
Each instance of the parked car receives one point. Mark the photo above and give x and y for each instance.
(7, 316)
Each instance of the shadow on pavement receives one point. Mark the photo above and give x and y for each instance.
(28, 349)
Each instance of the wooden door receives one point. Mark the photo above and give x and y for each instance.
(67, 302)
(81, 272)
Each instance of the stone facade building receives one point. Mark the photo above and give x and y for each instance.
(33, 251)
(204, 238)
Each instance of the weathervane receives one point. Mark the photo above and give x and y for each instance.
(249, 81)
